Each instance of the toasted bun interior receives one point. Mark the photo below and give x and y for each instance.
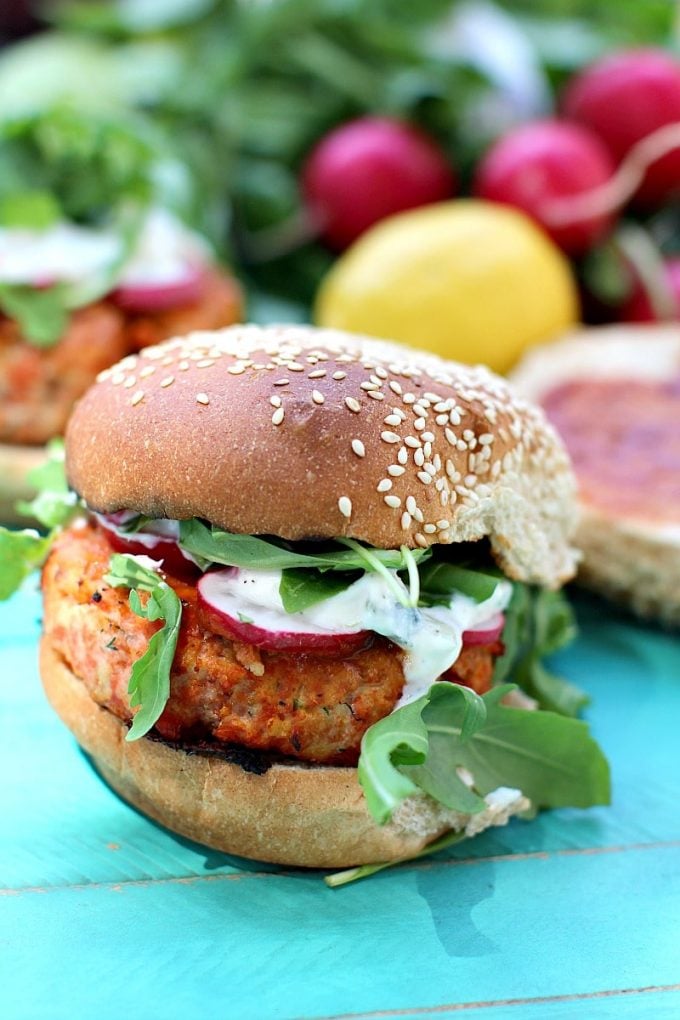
(306, 433)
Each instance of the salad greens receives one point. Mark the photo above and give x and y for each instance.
(149, 686)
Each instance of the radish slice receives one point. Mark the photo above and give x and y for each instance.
(487, 632)
(144, 297)
(222, 601)
(165, 550)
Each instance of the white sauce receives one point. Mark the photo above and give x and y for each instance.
(166, 252)
(431, 638)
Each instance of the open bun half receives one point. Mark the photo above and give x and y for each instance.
(631, 558)
(306, 433)
(308, 816)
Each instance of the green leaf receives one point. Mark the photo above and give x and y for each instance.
(55, 504)
(29, 210)
(440, 580)
(341, 878)
(149, 686)
(301, 588)
(553, 760)
(252, 553)
(41, 314)
(20, 553)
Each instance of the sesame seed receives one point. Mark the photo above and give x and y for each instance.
(376, 395)
(368, 386)
(468, 434)
(339, 375)
(424, 477)
(146, 371)
(418, 514)
(429, 529)
(281, 382)
(395, 387)
(295, 366)
(384, 485)
(376, 379)
(205, 363)
(402, 455)
(318, 397)
(421, 540)
(486, 439)
(411, 504)
(358, 448)
(167, 361)
(419, 423)
(117, 378)
(443, 524)
(319, 373)
(236, 369)
(392, 419)
(275, 401)
(419, 458)
(405, 521)
(345, 506)
(183, 366)
(353, 404)
(395, 470)
(442, 405)
(202, 398)
(444, 497)
(412, 442)
(420, 410)
(393, 502)
(470, 480)
(409, 398)
(277, 416)
(428, 437)
(103, 376)
(136, 397)
(129, 382)
(450, 436)
(168, 381)
(380, 372)
(389, 437)
(442, 419)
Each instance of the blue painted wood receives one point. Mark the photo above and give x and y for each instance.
(103, 912)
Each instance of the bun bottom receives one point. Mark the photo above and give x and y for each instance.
(15, 463)
(308, 816)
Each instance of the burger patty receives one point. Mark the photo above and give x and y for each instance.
(39, 386)
(314, 709)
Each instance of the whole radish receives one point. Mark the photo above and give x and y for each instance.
(544, 162)
(639, 307)
(368, 169)
(625, 97)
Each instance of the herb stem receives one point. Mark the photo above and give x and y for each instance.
(377, 567)
(413, 575)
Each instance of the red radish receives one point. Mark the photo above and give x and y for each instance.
(165, 550)
(158, 297)
(368, 169)
(543, 162)
(625, 97)
(486, 633)
(639, 308)
(215, 592)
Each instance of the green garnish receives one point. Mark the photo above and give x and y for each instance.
(149, 685)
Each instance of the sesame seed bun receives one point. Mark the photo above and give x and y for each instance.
(15, 464)
(307, 433)
(631, 549)
(307, 816)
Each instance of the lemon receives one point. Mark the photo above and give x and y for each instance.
(469, 280)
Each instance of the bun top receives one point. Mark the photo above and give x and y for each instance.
(306, 433)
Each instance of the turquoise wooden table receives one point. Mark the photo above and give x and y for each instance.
(577, 914)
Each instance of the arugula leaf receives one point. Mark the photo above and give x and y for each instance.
(538, 623)
(30, 210)
(55, 504)
(250, 552)
(149, 686)
(20, 553)
(340, 878)
(301, 588)
(41, 314)
(551, 759)
(439, 580)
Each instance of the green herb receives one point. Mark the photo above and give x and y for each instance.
(41, 314)
(301, 588)
(54, 505)
(419, 748)
(439, 581)
(213, 545)
(29, 210)
(245, 619)
(149, 686)
(539, 623)
(20, 553)
(366, 870)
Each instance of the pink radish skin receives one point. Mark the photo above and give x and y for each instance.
(623, 98)
(487, 633)
(544, 162)
(368, 169)
(145, 298)
(165, 550)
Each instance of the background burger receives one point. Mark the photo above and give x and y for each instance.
(93, 266)
(301, 566)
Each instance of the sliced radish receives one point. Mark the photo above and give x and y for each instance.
(486, 633)
(222, 601)
(165, 550)
(143, 297)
